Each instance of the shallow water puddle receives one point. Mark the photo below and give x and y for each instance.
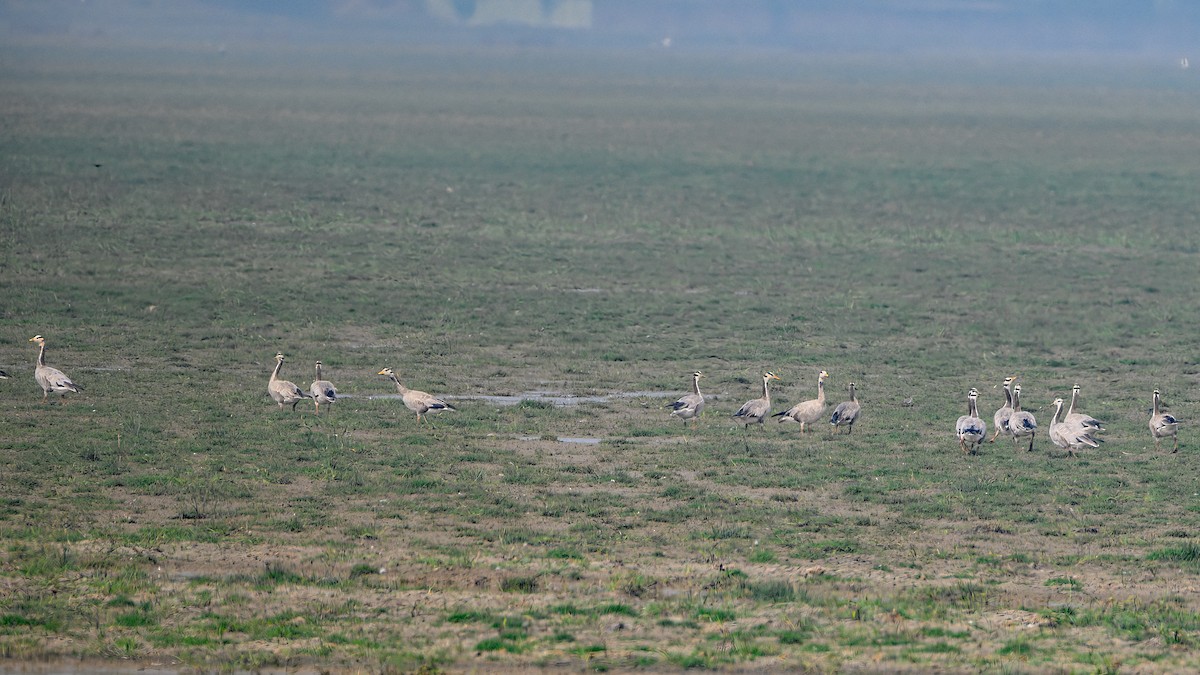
(565, 439)
(579, 439)
(554, 398)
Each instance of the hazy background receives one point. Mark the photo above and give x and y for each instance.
(1120, 28)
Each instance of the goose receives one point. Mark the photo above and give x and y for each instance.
(3, 375)
(1163, 424)
(1021, 423)
(322, 391)
(971, 429)
(808, 412)
(689, 406)
(283, 391)
(1000, 419)
(755, 410)
(51, 379)
(1067, 436)
(417, 401)
(1085, 422)
(846, 412)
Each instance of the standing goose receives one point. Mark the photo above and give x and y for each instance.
(51, 379)
(417, 401)
(1000, 419)
(971, 429)
(1021, 423)
(283, 391)
(1086, 423)
(846, 412)
(322, 391)
(1163, 424)
(755, 410)
(690, 405)
(1067, 436)
(808, 412)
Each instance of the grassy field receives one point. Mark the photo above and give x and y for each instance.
(505, 222)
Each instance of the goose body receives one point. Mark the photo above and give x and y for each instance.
(51, 380)
(1163, 424)
(690, 405)
(1000, 419)
(970, 428)
(1067, 436)
(283, 391)
(808, 412)
(419, 402)
(1021, 423)
(756, 410)
(846, 413)
(322, 391)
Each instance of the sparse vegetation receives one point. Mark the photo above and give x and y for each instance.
(496, 223)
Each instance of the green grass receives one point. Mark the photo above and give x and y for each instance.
(492, 223)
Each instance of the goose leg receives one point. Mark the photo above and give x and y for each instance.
(1031, 437)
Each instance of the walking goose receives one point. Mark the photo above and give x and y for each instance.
(808, 412)
(1000, 419)
(51, 379)
(755, 410)
(322, 391)
(689, 406)
(846, 412)
(1085, 422)
(1163, 424)
(283, 391)
(1069, 436)
(1021, 423)
(971, 429)
(419, 402)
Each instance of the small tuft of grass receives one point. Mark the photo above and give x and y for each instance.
(1070, 582)
(1188, 552)
(362, 570)
(526, 584)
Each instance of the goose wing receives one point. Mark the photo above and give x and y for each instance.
(323, 389)
(425, 402)
(969, 427)
(753, 409)
(58, 380)
(686, 402)
(845, 413)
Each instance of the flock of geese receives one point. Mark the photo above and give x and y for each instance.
(1072, 431)
(756, 411)
(323, 391)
